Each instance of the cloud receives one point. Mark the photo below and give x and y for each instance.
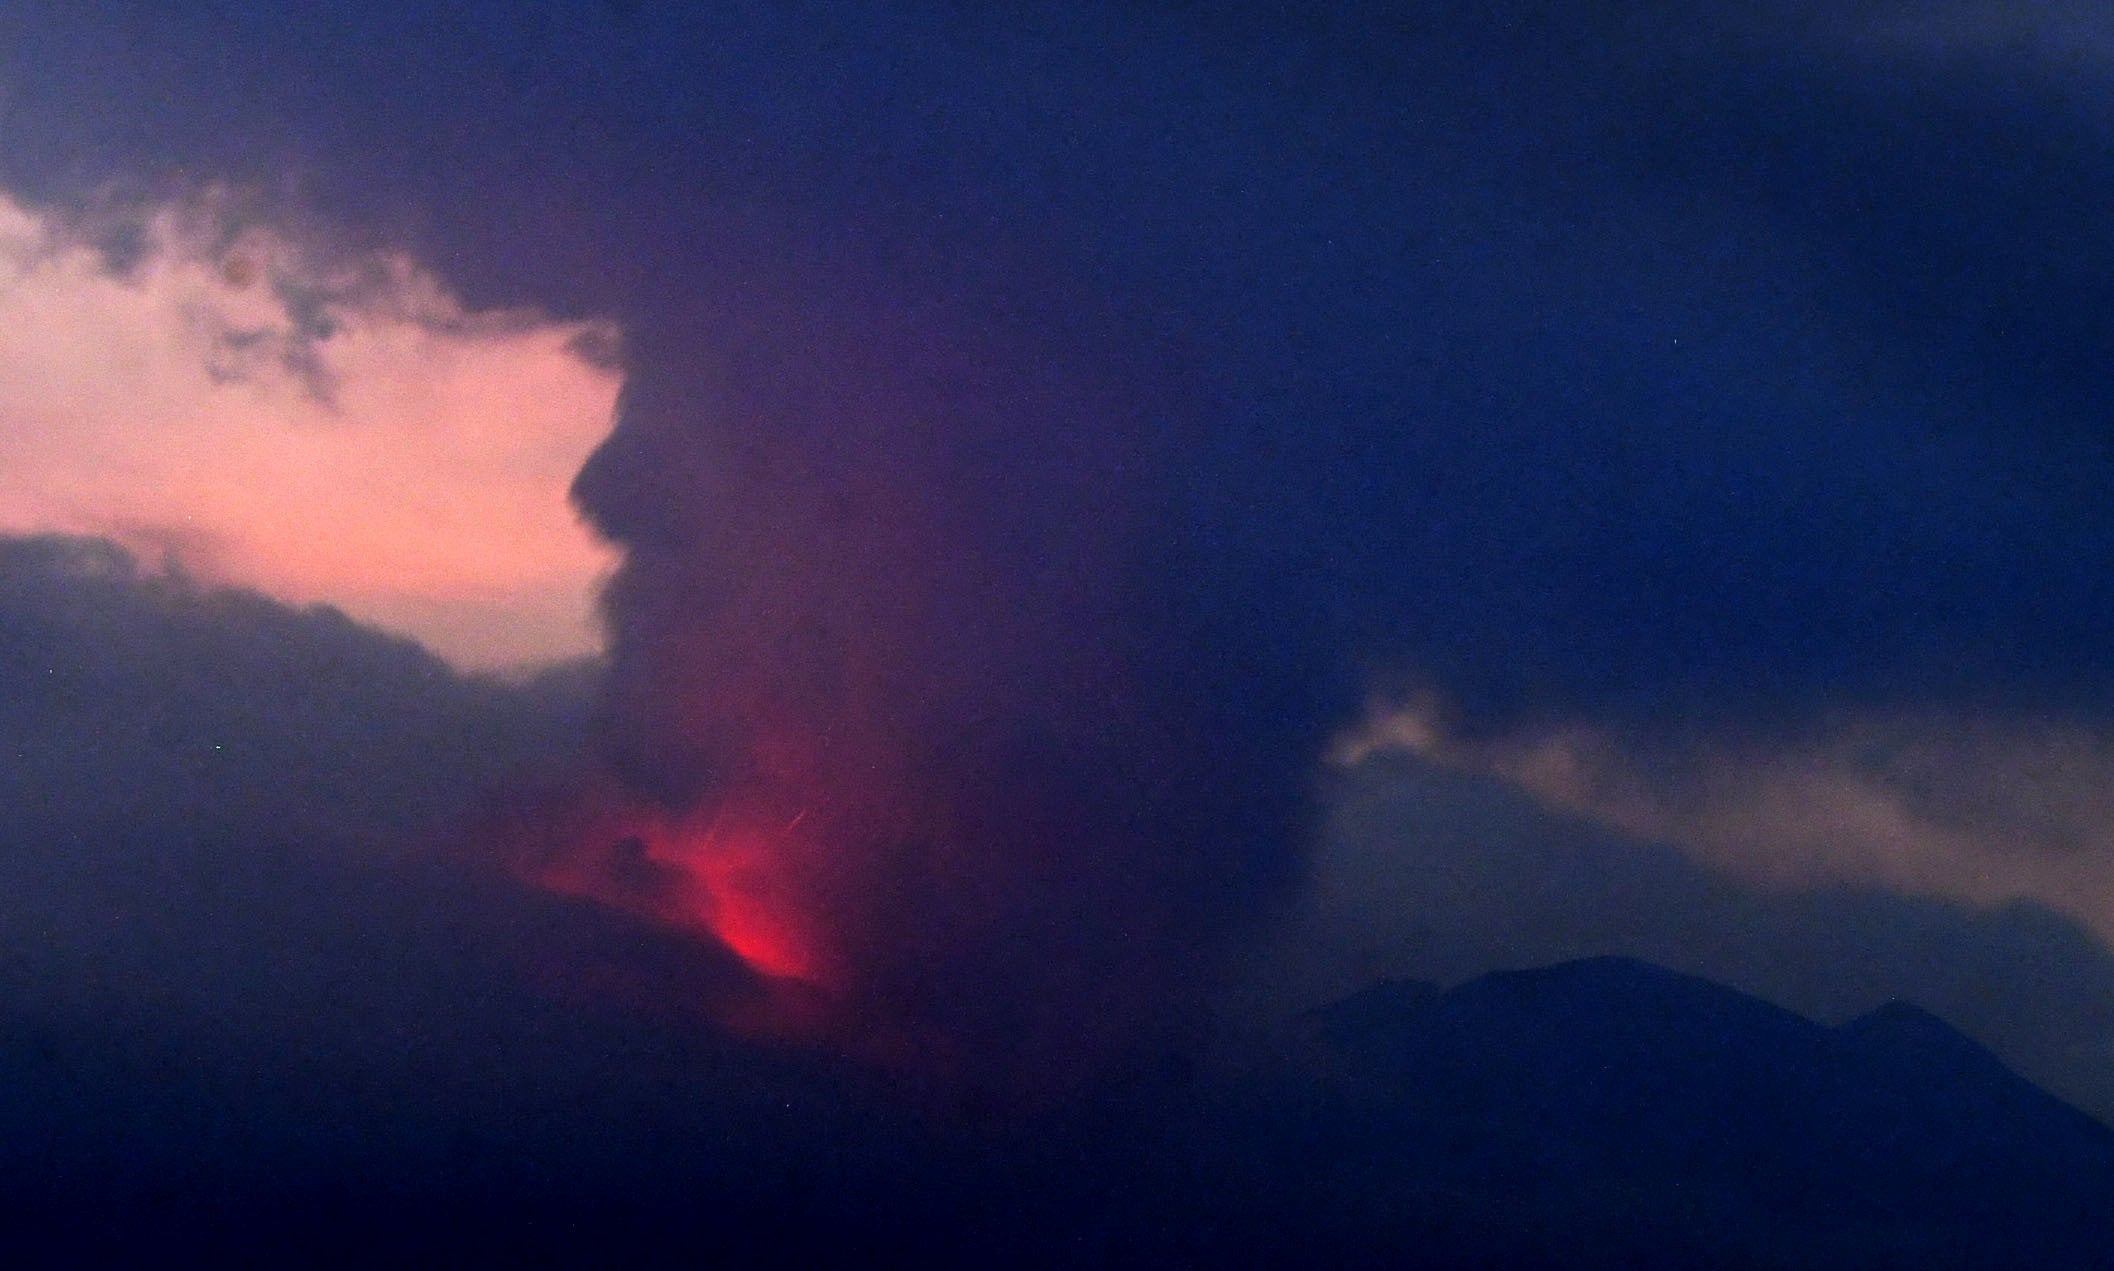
(1430, 869)
(254, 969)
(1581, 366)
(235, 816)
(1982, 807)
(324, 427)
(135, 696)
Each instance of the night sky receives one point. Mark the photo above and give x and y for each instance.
(983, 542)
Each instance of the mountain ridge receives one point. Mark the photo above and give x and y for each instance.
(1661, 1110)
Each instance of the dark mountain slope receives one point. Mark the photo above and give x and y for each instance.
(1611, 1110)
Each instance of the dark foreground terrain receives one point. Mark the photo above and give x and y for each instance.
(1603, 1112)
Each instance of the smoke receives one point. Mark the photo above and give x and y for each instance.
(1007, 525)
(906, 706)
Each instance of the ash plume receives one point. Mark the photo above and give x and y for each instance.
(912, 679)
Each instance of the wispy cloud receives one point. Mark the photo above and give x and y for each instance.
(1980, 807)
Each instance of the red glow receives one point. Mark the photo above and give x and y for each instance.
(745, 904)
(731, 878)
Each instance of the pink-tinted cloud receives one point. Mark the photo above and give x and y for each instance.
(325, 428)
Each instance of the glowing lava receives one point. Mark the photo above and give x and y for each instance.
(743, 901)
(734, 879)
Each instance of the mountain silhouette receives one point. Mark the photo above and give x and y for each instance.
(1608, 1110)
(1604, 1112)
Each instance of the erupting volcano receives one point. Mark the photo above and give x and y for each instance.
(925, 699)
(730, 880)
(726, 881)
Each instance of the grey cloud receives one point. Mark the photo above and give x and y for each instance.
(1428, 872)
